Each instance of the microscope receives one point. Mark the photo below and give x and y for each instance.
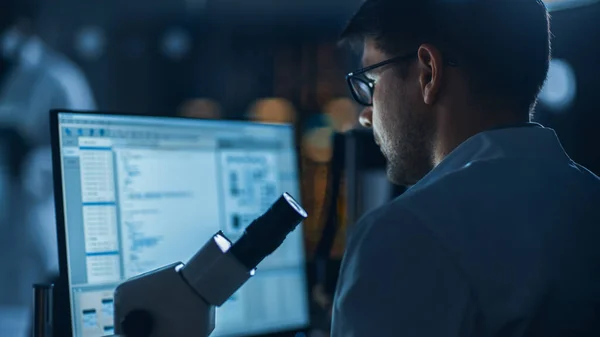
(179, 300)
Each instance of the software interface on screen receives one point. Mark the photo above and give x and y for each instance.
(143, 192)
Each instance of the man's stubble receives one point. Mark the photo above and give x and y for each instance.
(408, 146)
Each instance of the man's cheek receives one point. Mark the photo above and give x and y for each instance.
(378, 121)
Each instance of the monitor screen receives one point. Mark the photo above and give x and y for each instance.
(141, 192)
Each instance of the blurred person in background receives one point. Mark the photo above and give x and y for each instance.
(33, 79)
(498, 234)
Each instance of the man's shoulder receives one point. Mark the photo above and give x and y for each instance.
(406, 211)
(495, 179)
(435, 195)
(439, 208)
(391, 225)
(452, 203)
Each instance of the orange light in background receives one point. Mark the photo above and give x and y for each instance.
(272, 110)
(317, 144)
(202, 108)
(343, 114)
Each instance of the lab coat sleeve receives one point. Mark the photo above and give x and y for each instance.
(400, 280)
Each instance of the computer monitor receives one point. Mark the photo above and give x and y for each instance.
(135, 193)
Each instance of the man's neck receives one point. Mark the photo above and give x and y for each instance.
(455, 128)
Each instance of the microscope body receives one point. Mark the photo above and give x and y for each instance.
(187, 314)
(180, 300)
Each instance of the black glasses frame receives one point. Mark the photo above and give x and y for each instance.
(356, 76)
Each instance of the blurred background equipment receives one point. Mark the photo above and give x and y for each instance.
(343, 114)
(43, 303)
(273, 110)
(202, 108)
(137, 193)
(560, 89)
(317, 139)
(19, 257)
(367, 186)
(90, 42)
(218, 60)
(34, 77)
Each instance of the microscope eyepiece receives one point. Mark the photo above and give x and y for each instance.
(265, 234)
(294, 204)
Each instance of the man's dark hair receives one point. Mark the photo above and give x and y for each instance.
(503, 45)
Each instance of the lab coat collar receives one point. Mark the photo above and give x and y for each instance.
(525, 141)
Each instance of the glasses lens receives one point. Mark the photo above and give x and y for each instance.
(362, 90)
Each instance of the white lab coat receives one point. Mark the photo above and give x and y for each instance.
(501, 239)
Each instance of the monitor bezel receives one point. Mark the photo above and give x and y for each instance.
(63, 325)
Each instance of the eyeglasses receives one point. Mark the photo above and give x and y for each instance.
(362, 87)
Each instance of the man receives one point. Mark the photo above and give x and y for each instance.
(499, 233)
(33, 80)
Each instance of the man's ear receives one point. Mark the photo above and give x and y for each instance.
(431, 71)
